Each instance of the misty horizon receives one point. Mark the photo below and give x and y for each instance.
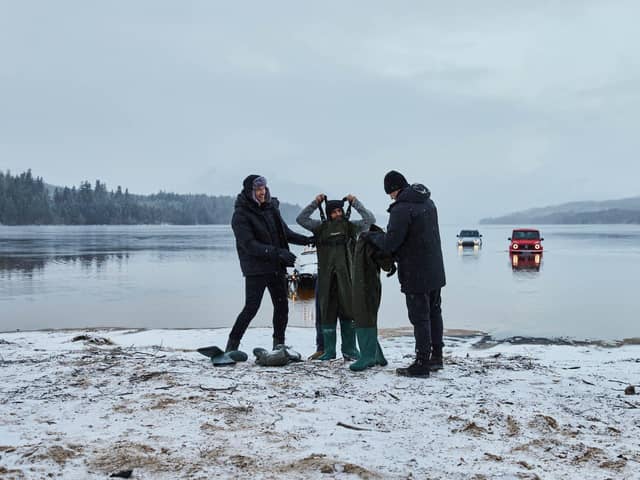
(495, 108)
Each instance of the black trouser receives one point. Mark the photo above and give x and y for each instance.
(425, 314)
(276, 283)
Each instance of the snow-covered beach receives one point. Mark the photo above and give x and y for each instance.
(146, 401)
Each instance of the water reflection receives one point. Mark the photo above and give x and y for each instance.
(27, 266)
(303, 304)
(525, 262)
(469, 253)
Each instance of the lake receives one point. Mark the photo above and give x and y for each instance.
(189, 277)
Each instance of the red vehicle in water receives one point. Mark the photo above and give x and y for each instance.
(525, 240)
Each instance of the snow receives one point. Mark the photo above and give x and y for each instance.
(149, 402)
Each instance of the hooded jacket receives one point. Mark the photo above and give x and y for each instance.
(413, 238)
(260, 233)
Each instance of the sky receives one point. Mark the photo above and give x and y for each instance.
(496, 106)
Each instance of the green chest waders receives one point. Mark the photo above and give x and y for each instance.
(334, 243)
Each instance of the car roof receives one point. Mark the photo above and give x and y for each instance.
(526, 230)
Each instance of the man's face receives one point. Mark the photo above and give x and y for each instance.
(336, 214)
(393, 195)
(261, 193)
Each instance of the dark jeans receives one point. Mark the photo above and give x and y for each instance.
(276, 283)
(425, 314)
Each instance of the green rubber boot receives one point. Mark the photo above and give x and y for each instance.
(329, 337)
(368, 343)
(348, 333)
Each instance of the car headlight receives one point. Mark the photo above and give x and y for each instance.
(515, 246)
(476, 241)
(460, 242)
(537, 246)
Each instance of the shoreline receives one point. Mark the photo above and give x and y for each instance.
(485, 340)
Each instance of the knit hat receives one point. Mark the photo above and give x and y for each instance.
(254, 181)
(394, 181)
(334, 205)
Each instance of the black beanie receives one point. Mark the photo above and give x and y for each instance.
(394, 181)
(334, 205)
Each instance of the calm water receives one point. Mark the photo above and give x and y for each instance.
(165, 276)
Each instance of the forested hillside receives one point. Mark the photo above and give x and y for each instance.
(27, 200)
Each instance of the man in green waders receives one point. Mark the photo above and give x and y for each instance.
(335, 239)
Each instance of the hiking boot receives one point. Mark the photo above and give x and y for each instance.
(316, 355)
(435, 364)
(419, 368)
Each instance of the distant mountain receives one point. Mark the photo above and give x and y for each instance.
(626, 210)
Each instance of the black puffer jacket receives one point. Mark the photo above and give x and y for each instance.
(260, 232)
(413, 238)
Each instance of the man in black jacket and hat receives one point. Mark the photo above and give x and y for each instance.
(413, 239)
(262, 241)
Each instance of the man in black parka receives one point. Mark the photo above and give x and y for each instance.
(262, 241)
(413, 239)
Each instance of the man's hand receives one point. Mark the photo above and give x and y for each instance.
(311, 241)
(320, 197)
(287, 258)
(351, 199)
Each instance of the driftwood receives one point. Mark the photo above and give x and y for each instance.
(353, 427)
(223, 389)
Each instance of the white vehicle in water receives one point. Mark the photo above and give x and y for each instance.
(469, 238)
(305, 272)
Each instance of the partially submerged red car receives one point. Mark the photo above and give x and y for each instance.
(525, 240)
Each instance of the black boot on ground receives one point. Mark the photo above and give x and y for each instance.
(435, 362)
(419, 368)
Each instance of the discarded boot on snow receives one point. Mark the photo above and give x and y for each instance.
(274, 358)
(419, 368)
(216, 352)
(219, 358)
(238, 355)
(291, 353)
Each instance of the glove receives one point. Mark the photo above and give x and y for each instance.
(287, 258)
(311, 241)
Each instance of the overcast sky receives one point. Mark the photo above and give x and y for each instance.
(494, 105)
